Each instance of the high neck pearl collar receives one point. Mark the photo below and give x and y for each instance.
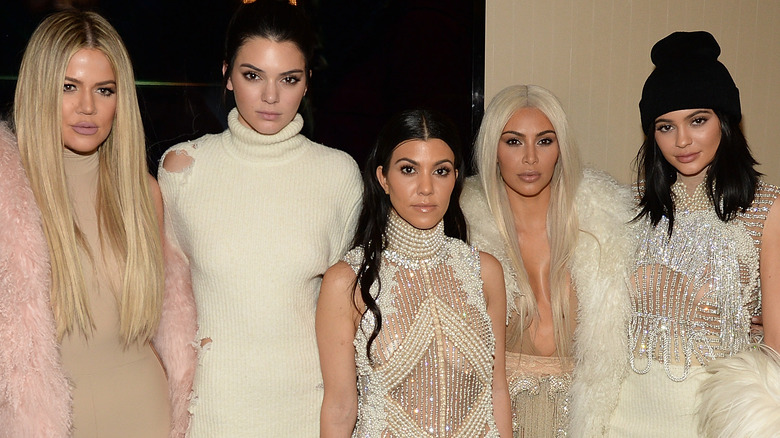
(409, 246)
(248, 144)
(698, 200)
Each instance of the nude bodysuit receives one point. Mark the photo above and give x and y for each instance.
(117, 392)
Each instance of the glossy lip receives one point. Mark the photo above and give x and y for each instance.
(267, 115)
(529, 177)
(85, 128)
(687, 158)
(424, 208)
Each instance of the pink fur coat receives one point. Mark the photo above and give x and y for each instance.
(35, 398)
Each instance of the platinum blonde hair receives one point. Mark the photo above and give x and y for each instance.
(562, 223)
(126, 214)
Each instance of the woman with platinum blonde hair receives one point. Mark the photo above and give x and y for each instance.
(81, 251)
(559, 232)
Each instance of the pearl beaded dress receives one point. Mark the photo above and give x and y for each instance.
(431, 367)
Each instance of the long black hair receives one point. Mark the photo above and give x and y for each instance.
(731, 179)
(417, 124)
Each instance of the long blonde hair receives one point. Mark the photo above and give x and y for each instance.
(562, 223)
(126, 214)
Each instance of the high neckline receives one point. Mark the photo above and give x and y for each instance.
(78, 164)
(410, 246)
(247, 144)
(696, 201)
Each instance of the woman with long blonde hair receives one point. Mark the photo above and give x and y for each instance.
(98, 286)
(558, 231)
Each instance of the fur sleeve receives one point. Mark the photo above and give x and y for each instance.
(741, 398)
(35, 399)
(600, 272)
(175, 339)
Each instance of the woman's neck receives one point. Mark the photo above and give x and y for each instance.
(529, 212)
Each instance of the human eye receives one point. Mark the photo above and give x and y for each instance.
(251, 75)
(663, 127)
(699, 121)
(443, 171)
(291, 80)
(68, 87)
(407, 169)
(513, 141)
(106, 91)
(546, 141)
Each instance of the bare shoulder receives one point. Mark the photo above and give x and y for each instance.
(490, 266)
(338, 278)
(176, 160)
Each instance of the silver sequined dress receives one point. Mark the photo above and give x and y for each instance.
(694, 293)
(431, 368)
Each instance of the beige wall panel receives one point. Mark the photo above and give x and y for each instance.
(595, 55)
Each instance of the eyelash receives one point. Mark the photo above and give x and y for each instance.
(698, 121)
(441, 171)
(288, 80)
(546, 141)
(103, 91)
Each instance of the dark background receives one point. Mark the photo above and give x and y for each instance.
(375, 57)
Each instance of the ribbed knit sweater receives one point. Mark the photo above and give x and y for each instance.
(260, 217)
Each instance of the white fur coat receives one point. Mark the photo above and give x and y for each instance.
(35, 397)
(599, 271)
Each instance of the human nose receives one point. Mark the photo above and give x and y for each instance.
(683, 138)
(270, 93)
(530, 156)
(86, 103)
(425, 186)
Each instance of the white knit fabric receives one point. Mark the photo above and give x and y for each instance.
(260, 218)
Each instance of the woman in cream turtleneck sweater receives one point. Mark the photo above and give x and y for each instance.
(261, 212)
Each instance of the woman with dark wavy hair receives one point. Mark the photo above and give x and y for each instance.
(708, 240)
(412, 313)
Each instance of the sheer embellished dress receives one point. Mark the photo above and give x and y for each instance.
(693, 296)
(430, 373)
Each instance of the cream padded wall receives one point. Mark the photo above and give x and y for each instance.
(595, 56)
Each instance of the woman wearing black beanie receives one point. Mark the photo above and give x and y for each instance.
(708, 242)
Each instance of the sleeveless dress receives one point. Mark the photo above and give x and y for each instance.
(693, 295)
(430, 373)
(118, 392)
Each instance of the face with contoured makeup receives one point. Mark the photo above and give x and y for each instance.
(419, 178)
(88, 101)
(527, 153)
(689, 139)
(268, 80)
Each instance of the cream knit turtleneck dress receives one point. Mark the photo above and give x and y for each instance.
(260, 219)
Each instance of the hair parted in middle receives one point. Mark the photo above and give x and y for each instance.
(276, 20)
(126, 213)
(417, 124)
(562, 222)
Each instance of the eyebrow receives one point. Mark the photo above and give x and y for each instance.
(446, 160)
(288, 72)
(688, 117)
(519, 134)
(108, 82)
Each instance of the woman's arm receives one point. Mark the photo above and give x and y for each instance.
(178, 324)
(770, 277)
(495, 297)
(336, 324)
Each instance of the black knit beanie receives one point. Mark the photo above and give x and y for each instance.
(687, 75)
